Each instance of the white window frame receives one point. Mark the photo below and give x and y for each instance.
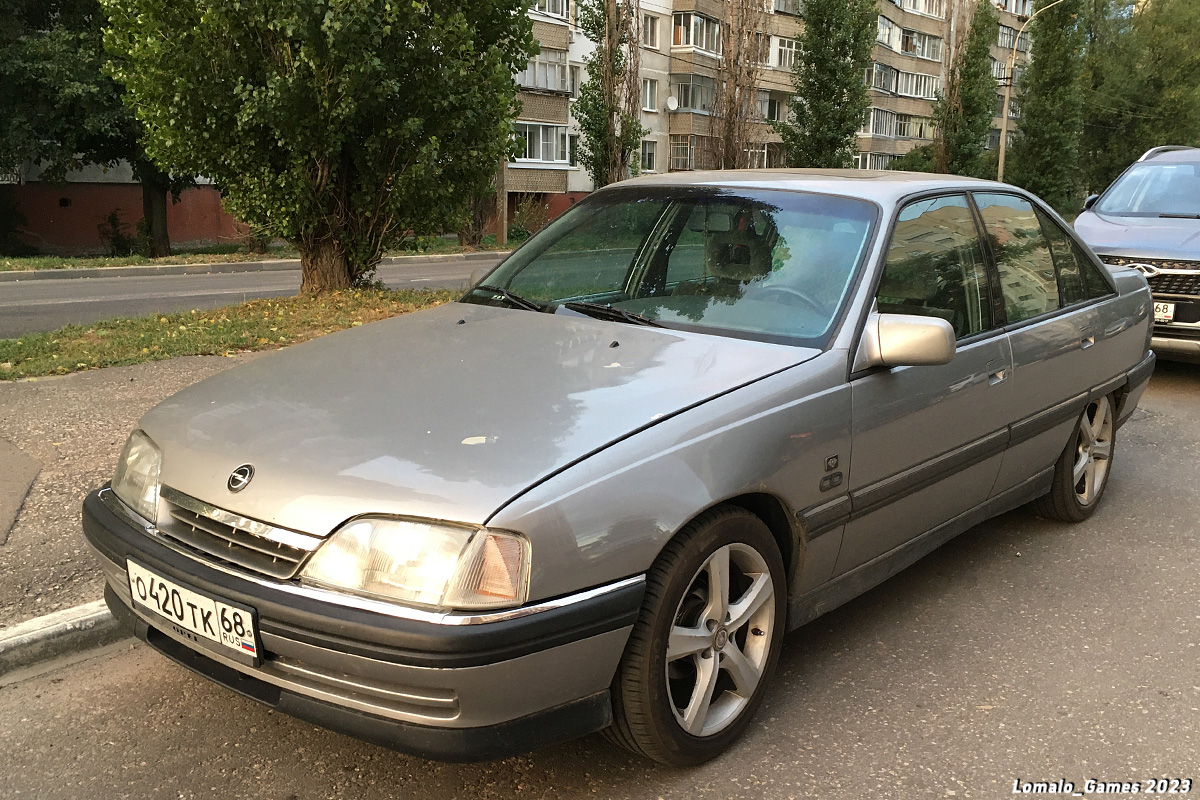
(649, 94)
(553, 8)
(687, 97)
(696, 31)
(683, 151)
(650, 31)
(885, 34)
(793, 7)
(918, 84)
(650, 147)
(924, 45)
(785, 52)
(544, 140)
(547, 71)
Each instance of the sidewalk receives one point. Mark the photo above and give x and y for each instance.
(74, 427)
(271, 265)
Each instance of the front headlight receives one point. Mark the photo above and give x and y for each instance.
(424, 563)
(136, 478)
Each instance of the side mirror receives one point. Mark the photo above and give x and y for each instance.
(905, 340)
(1090, 201)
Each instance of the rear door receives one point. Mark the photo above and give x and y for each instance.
(1059, 341)
(928, 440)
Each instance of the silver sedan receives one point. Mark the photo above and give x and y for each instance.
(692, 413)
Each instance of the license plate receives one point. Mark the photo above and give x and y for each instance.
(1164, 312)
(195, 616)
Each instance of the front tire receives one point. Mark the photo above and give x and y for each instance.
(706, 643)
(1081, 474)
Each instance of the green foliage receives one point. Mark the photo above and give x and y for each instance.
(919, 159)
(338, 125)
(1141, 83)
(1045, 155)
(610, 133)
(833, 51)
(963, 115)
(116, 235)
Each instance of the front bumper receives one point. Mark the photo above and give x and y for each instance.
(456, 692)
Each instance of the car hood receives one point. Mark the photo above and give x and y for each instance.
(1148, 237)
(444, 414)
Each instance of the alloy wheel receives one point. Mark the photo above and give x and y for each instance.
(720, 639)
(1093, 451)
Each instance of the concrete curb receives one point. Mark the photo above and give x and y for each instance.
(62, 633)
(283, 264)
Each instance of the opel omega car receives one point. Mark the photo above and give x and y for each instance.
(693, 412)
(1149, 219)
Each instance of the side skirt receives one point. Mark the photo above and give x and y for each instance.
(844, 588)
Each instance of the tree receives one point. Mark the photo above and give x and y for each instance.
(608, 108)
(339, 126)
(1141, 83)
(62, 112)
(833, 51)
(735, 111)
(963, 113)
(1045, 155)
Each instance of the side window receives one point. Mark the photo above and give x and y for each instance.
(1078, 279)
(1028, 280)
(935, 266)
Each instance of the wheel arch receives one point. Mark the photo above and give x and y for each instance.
(780, 521)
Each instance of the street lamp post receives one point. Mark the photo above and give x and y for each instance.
(1008, 83)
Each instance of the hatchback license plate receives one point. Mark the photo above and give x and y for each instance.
(1164, 312)
(194, 615)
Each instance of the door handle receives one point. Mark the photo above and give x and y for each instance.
(1087, 341)
(997, 372)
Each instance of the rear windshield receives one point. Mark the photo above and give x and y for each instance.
(1155, 190)
(770, 265)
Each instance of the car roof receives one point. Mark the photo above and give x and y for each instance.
(1172, 155)
(883, 186)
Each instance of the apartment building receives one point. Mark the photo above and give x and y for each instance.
(1013, 15)
(680, 63)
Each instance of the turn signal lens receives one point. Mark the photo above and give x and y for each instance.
(423, 563)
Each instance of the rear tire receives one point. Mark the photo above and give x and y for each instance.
(698, 663)
(1081, 473)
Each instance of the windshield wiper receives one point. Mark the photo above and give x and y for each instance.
(1180, 216)
(608, 312)
(513, 298)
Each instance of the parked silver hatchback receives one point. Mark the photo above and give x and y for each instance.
(695, 411)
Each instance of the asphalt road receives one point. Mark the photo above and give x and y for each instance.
(45, 305)
(1023, 650)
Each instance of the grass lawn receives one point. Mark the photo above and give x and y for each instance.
(422, 245)
(255, 325)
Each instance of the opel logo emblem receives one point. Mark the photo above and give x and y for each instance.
(240, 478)
(1148, 270)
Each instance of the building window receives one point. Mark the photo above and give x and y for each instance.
(698, 31)
(786, 54)
(756, 155)
(886, 33)
(918, 84)
(683, 151)
(1009, 35)
(544, 143)
(576, 79)
(573, 150)
(555, 8)
(793, 7)
(650, 31)
(648, 153)
(879, 122)
(547, 70)
(873, 160)
(997, 69)
(694, 92)
(929, 8)
(993, 139)
(649, 95)
(770, 108)
(912, 127)
(921, 45)
(881, 77)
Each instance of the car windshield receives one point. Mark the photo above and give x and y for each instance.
(1155, 190)
(761, 264)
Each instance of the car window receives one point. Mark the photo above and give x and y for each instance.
(935, 266)
(598, 256)
(764, 264)
(1154, 189)
(1078, 279)
(1028, 280)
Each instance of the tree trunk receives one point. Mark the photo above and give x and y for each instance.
(324, 266)
(154, 211)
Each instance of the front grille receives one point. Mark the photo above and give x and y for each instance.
(1176, 277)
(232, 539)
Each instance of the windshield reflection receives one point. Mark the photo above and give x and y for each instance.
(769, 265)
